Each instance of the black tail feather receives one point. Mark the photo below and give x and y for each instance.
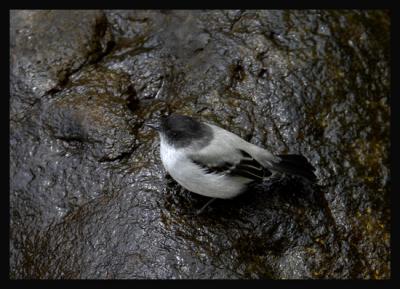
(296, 165)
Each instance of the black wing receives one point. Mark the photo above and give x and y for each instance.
(247, 167)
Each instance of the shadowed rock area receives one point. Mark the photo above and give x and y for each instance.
(89, 197)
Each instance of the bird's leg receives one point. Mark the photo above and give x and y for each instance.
(198, 212)
(277, 177)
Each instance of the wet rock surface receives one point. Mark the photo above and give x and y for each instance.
(89, 197)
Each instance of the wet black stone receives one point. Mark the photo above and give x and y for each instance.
(89, 197)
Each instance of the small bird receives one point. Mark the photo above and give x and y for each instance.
(211, 161)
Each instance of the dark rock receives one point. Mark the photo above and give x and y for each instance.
(89, 197)
(48, 46)
(91, 113)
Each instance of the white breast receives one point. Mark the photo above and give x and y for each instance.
(193, 178)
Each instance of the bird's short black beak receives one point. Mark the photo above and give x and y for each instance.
(154, 126)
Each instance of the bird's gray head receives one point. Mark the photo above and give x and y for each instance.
(181, 131)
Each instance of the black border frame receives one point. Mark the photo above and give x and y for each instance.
(284, 4)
